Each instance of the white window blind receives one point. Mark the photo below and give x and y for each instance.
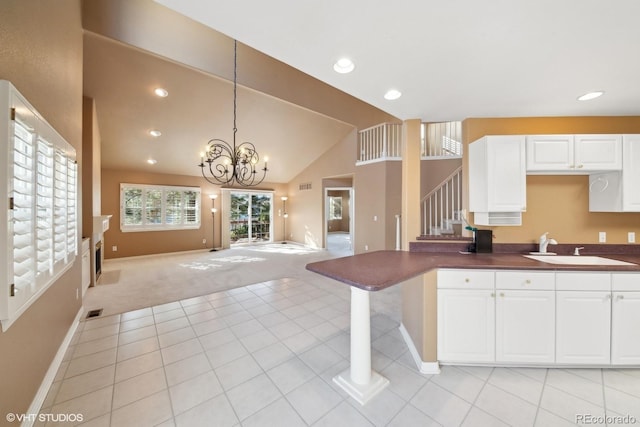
(44, 207)
(21, 188)
(157, 207)
(38, 202)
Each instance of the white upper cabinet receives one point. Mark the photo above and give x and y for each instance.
(497, 179)
(573, 154)
(618, 191)
(631, 173)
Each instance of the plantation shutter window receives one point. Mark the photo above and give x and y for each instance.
(159, 207)
(38, 202)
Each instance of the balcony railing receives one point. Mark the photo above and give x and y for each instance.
(384, 142)
(380, 143)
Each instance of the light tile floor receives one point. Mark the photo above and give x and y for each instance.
(265, 355)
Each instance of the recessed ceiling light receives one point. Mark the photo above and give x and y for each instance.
(392, 94)
(155, 133)
(344, 66)
(590, 95)
(152, 161)
(161, 92)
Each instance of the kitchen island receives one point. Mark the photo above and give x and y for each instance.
(472, 308)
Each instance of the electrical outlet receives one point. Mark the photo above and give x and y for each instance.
(631, 237)
(375, 217)
(366, 247)
(114, 248)
(602, 237)
(204, 241)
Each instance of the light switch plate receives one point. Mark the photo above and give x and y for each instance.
(602, 237)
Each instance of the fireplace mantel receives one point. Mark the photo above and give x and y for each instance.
(101, 223)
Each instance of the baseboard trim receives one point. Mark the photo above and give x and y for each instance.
(429, 368)
(41, 394)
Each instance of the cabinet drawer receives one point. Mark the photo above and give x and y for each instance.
(584, 281)
(465, 279)
(625, 282)
(525, 280)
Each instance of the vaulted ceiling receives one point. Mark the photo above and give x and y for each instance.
(134, 46)
(451, 60)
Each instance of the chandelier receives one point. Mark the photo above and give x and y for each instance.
(228, 164)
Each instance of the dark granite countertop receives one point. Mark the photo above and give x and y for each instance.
(374, 271)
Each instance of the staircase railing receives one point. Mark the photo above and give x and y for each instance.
(379, 143)
(441, 207)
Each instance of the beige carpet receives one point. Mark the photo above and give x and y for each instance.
(131, 283)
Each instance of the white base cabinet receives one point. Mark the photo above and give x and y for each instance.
(583, 327)
(536, 318)
(466, 320)
(525, 322)
(625, 332)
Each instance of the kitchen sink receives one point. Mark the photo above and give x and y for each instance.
(577, 260)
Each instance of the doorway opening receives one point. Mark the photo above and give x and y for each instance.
(339, 220)
(250, 217)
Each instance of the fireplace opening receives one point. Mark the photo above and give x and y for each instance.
(98, 259)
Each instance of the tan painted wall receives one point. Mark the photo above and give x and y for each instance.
(91, 176)
(558, 204)
(306, 207)
(370, 183)
(419, 314)
(156, 242)
(41, 54)
(434, 172)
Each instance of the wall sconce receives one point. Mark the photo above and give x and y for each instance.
(213, 198)
(285, 215)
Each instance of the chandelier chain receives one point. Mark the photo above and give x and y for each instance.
(229, 164)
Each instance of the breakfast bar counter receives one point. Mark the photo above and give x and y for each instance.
(375, 271)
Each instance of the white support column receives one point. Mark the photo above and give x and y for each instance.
(359, 381)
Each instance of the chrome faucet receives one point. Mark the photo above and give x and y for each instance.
(544, 242)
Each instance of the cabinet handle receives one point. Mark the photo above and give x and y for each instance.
(580, 166)
(493, 294)
(620, 297)
(467, 280)
(528, 282)
(501, 294)
(572, 167)
(608, 296)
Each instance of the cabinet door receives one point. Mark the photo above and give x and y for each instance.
(598, 152)
(631, 173)
(583, 327)
(466, 325)
(525, 326)
(507, 177)
(625, 328)
(550, 153)
(497, 174)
